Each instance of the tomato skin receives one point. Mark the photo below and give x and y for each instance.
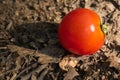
(80, 32)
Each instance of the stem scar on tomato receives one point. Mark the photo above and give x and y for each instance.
(104, 28)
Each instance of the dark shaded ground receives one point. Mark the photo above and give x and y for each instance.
(30, 49)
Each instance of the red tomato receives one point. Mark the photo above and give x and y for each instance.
(80, 32)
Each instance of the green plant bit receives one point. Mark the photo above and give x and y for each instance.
(104, 28)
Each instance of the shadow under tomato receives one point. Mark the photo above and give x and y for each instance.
(38, 36)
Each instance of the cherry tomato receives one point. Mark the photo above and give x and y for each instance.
(80, 32)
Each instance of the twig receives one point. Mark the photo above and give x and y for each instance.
(13, 77)
(35, 64)
(13, 70)
(3, 48)
(4, 73)
(42, 75)
(38, 70)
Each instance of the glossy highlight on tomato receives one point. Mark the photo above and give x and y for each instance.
(80, 32)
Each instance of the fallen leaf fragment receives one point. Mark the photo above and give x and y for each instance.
(67, 62)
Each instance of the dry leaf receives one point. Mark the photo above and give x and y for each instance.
(67, 62)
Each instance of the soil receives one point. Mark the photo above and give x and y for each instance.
(30, 49)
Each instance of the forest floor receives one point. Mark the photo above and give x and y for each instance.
(30, 49)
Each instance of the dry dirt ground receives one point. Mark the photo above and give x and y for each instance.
(30, 49)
